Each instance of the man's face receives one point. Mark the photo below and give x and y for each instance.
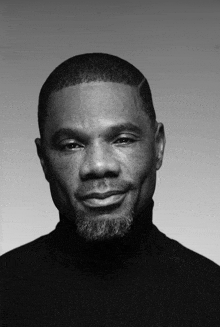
(100, 154)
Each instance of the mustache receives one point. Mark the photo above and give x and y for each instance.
(102, 186)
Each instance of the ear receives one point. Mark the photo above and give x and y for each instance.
(41, 155)
(160, 141)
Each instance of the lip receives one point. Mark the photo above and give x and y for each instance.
(101, 200)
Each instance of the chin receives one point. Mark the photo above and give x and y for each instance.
(103, 227)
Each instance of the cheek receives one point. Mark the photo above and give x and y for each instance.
(138, 165)
(63, 184)
(64, 172)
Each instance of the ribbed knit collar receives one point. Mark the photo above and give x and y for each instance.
(71, 246)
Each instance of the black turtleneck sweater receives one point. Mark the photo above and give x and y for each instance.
(145, 280)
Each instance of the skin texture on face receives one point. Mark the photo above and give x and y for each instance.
(100, 154)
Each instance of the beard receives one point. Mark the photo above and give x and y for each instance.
(101, 229)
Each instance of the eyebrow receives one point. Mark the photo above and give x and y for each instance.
(117, 129)
(111, 130)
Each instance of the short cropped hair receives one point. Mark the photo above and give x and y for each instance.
(93, 67)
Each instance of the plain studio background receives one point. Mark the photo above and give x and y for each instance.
(176, 44)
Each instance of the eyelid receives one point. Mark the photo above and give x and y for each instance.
(130, 137)
(65, 142)
(127, 135)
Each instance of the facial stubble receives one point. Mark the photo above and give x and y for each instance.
(103, 228)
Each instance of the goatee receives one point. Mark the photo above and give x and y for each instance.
(100, 229)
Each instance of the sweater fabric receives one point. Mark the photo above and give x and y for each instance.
(146, 280)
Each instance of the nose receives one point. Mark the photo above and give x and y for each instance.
(99, 161)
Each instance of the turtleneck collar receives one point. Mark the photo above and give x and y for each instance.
(71, 245)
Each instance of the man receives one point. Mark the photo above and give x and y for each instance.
(105, 264)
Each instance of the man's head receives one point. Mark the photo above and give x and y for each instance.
(100, 143)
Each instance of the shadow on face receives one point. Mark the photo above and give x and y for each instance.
(100, 154)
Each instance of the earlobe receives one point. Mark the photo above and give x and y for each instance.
(160, 141)
(41, 156)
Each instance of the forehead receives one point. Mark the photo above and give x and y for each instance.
(89, 104)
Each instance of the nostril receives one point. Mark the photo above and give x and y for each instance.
(94, 175)
(99, 169)
(99, 162)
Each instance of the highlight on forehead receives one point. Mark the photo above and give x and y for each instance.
(92, 67)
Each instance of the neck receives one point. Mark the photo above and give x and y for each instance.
(111, 250)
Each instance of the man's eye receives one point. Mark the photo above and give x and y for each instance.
(124, 140)
(70, 146)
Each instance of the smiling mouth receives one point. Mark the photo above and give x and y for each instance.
(101, 200)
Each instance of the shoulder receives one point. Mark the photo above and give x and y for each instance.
(193, 269)
(190, 281)
(25, 259)
(176, 252)
(191, 259)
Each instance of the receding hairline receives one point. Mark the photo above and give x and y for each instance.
(134, 92)
(94, 68)
(97, 82)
